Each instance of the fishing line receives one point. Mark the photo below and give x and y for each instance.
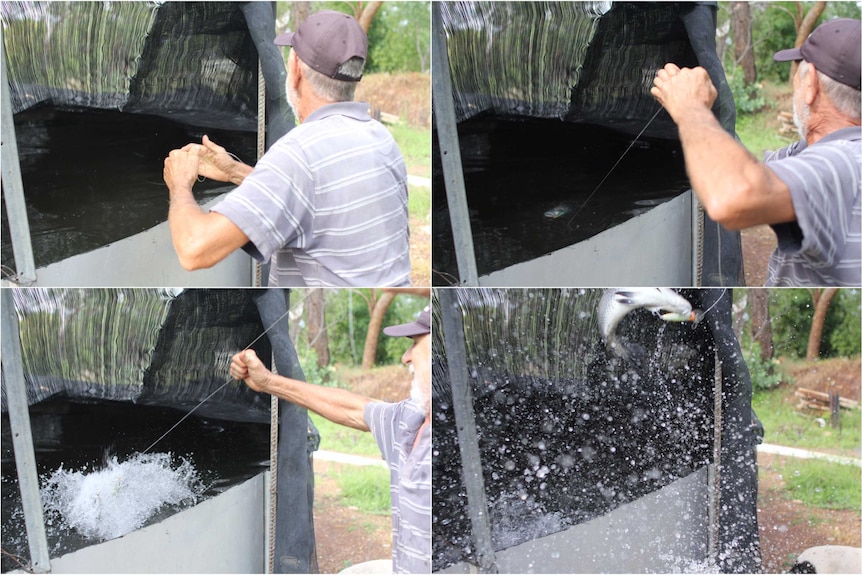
(614, 167)
(718, 299)
(222, 386)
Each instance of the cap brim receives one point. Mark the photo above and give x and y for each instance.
(406, 330)
(788, 55)
(285, 39)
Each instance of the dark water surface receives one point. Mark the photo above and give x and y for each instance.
(77, 436)
(529, 185)
(92, 177)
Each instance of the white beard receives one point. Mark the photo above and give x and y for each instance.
(417, 394)
(292, 98)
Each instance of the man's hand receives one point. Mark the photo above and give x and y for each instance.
(247, 366)
(181, 169)
(681, 89)
(216, 163)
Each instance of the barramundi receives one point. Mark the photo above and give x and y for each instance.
(616, 303)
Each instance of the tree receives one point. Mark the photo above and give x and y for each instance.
(315, 318)
(743, 47)
(822, 299)
(804, 22)
(378, 303)
(364, 13)
(761, 327)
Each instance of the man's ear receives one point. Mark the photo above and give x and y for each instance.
(810, 85)
(294, 70)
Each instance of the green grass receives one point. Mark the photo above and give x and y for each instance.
(823, 484)
(785, 425)
(419, 202)
(415, 144)
(366, 488)
(756, 133)
(334, 437)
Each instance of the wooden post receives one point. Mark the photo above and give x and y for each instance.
(835, 408)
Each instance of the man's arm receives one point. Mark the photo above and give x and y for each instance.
(201, 239)
(337, 405)
(735, 188)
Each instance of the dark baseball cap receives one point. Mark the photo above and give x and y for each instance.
(421, 326)
(835, 48)
(326, 40)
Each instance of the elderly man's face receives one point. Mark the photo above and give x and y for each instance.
(418, 358)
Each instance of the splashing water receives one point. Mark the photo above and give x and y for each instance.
(110, 502)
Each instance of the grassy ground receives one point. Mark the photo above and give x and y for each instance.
(787, 426)
(760, 132)
(823, 484)
(334, 437)
(365, 488)
(817, 484)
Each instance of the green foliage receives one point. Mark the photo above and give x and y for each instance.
(823, 484)
(747, 97)
(400, 38)
(764, 373)
(366, 488)
(341, 305)
(757, 135)
(325, 375)
(772, 29)
(792, 310)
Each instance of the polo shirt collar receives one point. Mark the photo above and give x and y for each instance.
(849, 133)
(354, 110)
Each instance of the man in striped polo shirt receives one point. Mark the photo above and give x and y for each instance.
(402, 431)
(809, 192)
(327, 204)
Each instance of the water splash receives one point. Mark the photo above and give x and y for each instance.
(121, 497)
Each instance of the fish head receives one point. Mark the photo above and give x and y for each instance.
(694, 316)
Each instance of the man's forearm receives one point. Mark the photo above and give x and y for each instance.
(338, 405)
(735, 188)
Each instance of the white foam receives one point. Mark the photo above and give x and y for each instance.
(121, 497)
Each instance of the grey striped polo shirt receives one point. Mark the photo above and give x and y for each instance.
(394, 427)
(823, 247)
(327, 204)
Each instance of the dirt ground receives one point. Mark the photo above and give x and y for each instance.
(788, 527)
(344, 535)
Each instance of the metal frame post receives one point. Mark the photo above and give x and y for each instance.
(465, 423)
(450, 152)
(22, 436)
(13, 187)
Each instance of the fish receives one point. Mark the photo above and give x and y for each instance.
(616, 303)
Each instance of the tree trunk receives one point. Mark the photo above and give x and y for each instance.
(299, 11)
(743, 50)
(378, 310)
(365, 13)
(378, 307)
(315, 319)
(761, 329)
(822, 299)
(804, 26)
